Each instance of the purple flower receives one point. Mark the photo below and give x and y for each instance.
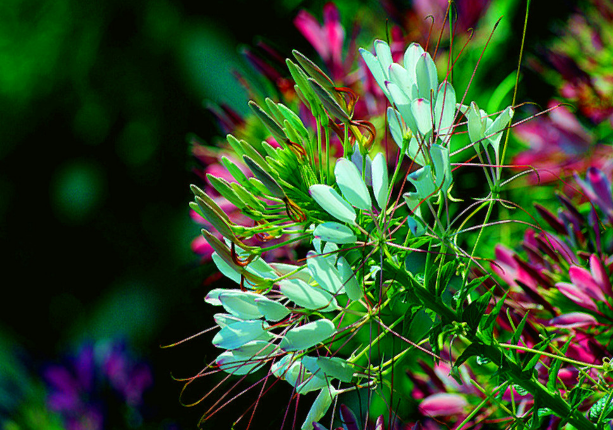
(78, 388)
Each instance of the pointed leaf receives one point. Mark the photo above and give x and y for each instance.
(268, 181)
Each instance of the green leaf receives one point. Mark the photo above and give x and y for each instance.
(334, 232)
(472, 350)
(380, 180)
(329, 102)
(352, 186)
(332, 203)
(223, 187)
(273, 187)
(273, 126)
(420, 326)
(602, 409)
(352, 287)
(313, 71)
(307, 296)
(473, 313)
(519, 330)
(304, 90)
(488, 320)
(307, 335)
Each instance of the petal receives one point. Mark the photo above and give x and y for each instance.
(443, 404)
(238, 364)
(573, 320)
(352, 287)
(583, 280)
(444, 110)
(576, 295)
(493, 132)
(413, 53)
(422, 112)
(351, 184)
(236, 335)
(380, 180)
(333, 203)
(319, 408)
(307, 335)
(334, 232)
(241, 304)
(306, 296)
(426, 77)
(423, 181)
(323, 271)
(272, 310)
(600, 275)
(384, 55)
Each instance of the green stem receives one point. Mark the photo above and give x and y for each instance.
(547, 354)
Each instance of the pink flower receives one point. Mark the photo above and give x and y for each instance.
(327, 39)
(443, 404)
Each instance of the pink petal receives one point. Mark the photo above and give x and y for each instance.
(576, 295)
(583, 280)
(443, 404)
(599, 274)
(334, 31)
(573, 320)
(312, 31)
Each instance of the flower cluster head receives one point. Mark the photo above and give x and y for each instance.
(305, 323)
(379, 298)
